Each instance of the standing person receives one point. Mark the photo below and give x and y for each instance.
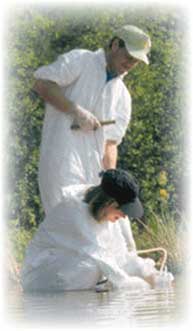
(78, 245)
(83, 87)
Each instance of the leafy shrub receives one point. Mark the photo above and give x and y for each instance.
(18, 240)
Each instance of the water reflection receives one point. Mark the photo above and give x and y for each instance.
(85, 308)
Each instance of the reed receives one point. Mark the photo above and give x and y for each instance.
(167, 231)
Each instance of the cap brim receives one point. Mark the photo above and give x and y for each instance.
(138, 55)
(133, 209)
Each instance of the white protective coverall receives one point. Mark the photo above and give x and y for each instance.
(72, 251)
(75, 157)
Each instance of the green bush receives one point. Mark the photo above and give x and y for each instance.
(18, 240)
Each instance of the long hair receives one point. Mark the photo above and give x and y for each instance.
(97, 199)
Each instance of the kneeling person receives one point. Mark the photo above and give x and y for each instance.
(80, 243)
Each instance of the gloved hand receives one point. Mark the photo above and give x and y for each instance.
(84, 119)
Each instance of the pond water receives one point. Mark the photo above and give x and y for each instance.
(121, 307)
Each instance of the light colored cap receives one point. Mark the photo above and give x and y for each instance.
(137, 42)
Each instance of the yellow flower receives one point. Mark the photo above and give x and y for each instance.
(162, 179)
(164, 194)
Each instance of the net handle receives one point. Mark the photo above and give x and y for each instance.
(108, 122)
(156, 249)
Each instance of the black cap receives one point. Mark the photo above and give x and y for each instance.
(122, 186)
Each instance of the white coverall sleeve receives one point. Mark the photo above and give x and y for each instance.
(121, 277)
(121, 112)
(140, 267)
(65, 70)
(126, 230)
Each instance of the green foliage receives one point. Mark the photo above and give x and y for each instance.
(19, 238)
(154, 141)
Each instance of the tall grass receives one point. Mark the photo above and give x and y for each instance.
(167, 231)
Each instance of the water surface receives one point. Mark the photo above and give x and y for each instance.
(150, 308)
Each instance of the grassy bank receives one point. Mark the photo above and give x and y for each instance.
(167, 231)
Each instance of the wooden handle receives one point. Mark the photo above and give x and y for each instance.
(108, 122)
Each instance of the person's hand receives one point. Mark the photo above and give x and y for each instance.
(151, 279)
(84, 119)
